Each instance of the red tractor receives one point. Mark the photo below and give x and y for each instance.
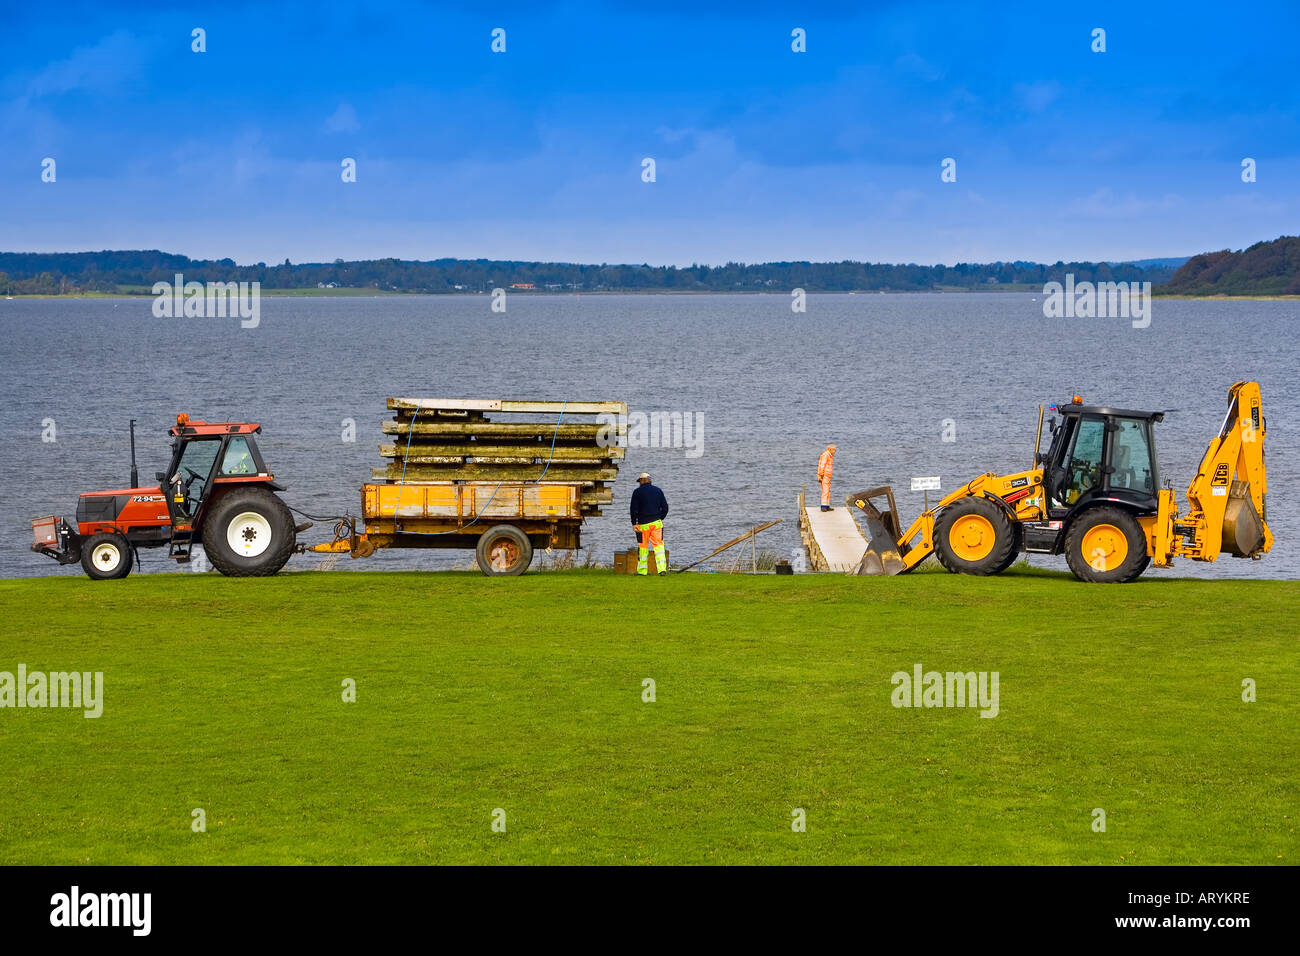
(217, 491)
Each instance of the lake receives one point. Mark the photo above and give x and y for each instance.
(879, 375)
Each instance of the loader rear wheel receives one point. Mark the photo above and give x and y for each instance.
(1106, 545)
(249, 533)
(974, 536)
(106, 556)
(504, 550)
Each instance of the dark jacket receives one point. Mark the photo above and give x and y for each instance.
(648, 504)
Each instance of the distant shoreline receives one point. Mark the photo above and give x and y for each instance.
(357, 293)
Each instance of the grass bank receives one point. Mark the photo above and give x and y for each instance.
(771, 694)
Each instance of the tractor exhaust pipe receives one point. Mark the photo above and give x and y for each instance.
(135, 473)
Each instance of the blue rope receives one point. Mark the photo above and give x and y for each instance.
(553, 438)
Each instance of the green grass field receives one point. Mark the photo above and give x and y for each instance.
(772, 693)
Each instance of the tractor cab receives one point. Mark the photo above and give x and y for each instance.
(204, 456)
(1100, 454)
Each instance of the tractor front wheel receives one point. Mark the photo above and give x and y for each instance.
(1106, 545)
(248, 533)
(106, 556)
(974, 536)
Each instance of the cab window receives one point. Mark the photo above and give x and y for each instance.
(199, 456)
(1084, 460)
(1131, 458)
(194, 469)
(238, 459)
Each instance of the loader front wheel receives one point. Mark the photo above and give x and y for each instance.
(106, 556)
(974, 536)
(249, 533)
(1106, 545)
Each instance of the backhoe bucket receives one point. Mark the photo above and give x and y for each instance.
(881, 556)
(1243, 529)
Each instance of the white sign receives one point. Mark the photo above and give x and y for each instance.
(926, 484)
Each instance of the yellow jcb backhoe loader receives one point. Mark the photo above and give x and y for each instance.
(1095, 498)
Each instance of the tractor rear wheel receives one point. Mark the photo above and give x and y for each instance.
(1106, 545)
(249, 533)
(106, 556)
(974, 536)
(504, 550)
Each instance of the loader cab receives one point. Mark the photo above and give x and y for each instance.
(1101, 454)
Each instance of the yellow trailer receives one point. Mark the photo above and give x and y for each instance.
(459, 479)
(503, 522)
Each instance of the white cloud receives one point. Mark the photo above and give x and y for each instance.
(1104, 204)
(344, 120)
(102, 66)
(1036, 97)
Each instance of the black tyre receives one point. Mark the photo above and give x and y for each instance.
(504, 550)
(974, 536)
(106, 556)
(1106, 545)
(1014, 554)
(248, 533)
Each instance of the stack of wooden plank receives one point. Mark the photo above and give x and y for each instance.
(480, 441)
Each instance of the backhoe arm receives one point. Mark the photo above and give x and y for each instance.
(1227, 513)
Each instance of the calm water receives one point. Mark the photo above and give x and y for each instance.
(876, 374)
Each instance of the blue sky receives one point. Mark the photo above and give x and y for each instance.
(761, 153)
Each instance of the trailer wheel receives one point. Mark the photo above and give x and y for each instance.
(504, 550)
(106, 556)
(1106, 545)
(974, 536)
(249, 533)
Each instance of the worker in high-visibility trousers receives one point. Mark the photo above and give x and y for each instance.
(649, 508)
(825, 468)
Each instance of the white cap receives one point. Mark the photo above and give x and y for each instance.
(644, 475)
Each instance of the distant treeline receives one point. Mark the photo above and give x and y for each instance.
(76, 272)
(1266, 268)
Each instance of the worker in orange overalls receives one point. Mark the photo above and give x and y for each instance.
(825, 468)
(649, 508)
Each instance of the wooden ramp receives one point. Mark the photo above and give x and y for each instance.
(833, 540)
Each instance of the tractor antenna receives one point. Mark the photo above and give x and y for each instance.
(135, 474)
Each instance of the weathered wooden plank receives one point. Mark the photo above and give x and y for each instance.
(586, 486)
(418, 451)
(557, 472)
(517, 460)
(508, 406)
(539, 430)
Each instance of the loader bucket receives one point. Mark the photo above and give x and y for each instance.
(882, 555)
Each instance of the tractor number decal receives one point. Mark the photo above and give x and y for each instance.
(147, 498)
(1019, 482)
